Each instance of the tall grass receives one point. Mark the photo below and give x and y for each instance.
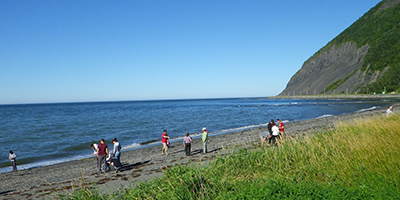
(358, 160)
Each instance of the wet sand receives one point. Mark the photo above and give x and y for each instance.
(142, 165)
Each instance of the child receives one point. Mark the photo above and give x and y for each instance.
(187, 140)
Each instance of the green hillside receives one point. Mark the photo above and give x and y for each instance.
(380, 29)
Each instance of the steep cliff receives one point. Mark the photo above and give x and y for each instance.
(363, 58)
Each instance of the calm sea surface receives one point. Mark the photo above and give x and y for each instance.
(43, 134)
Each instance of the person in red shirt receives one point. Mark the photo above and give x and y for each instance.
(281, 128)
(164, 141)
(102, 152)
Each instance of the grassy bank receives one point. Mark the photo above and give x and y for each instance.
(358, 160)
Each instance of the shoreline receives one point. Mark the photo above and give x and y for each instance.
(340, 96)
(144, 164)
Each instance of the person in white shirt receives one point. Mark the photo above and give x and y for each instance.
(13, 159)
(94, 148)
(275, 134)
(389, 111)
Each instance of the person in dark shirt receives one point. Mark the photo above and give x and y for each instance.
(270, 125)
(102, 152)
(116, 163)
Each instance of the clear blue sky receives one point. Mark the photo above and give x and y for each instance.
(73, 51)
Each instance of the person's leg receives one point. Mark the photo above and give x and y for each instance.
(205, 147)
(165, 149)
(270, 139)
(188, 149)
(100, 162)
(187, 146)
(273, 140)
(14, 165)
(104, 163)
(117, 156)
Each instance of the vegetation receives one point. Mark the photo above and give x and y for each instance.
(337, 83)
(390, 80)
(358, 160)
(380, 29)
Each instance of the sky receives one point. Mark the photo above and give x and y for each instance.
(85, 51)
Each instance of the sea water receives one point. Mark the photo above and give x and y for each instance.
(44, 134)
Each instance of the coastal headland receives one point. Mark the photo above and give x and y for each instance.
(144, 164)
(340, 96)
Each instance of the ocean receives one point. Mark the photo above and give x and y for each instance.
(45, 134)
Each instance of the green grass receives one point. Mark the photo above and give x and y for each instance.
(358, 160)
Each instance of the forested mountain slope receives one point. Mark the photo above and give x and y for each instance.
(363, 58)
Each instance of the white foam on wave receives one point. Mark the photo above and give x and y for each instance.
(281, 104)
(134, 145)
(45, 163)
(238, 129)
(323, 116)
(57, 161)
(367, 109)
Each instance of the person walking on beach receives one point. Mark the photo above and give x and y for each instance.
(275, 134)
(13, 159)
(281, 128)
(102, 152)
(389, 111)
(164, 141)
(187, 143)
(117, 150)
(205, 139)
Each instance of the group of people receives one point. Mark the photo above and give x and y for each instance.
(187, 142)
(106, 158)
(275, 132)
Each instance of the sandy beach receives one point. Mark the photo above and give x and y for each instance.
(144, 164)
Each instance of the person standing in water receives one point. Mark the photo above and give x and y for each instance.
(13, 159)
(205, 139)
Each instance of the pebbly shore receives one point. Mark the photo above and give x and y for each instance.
(144, 164)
